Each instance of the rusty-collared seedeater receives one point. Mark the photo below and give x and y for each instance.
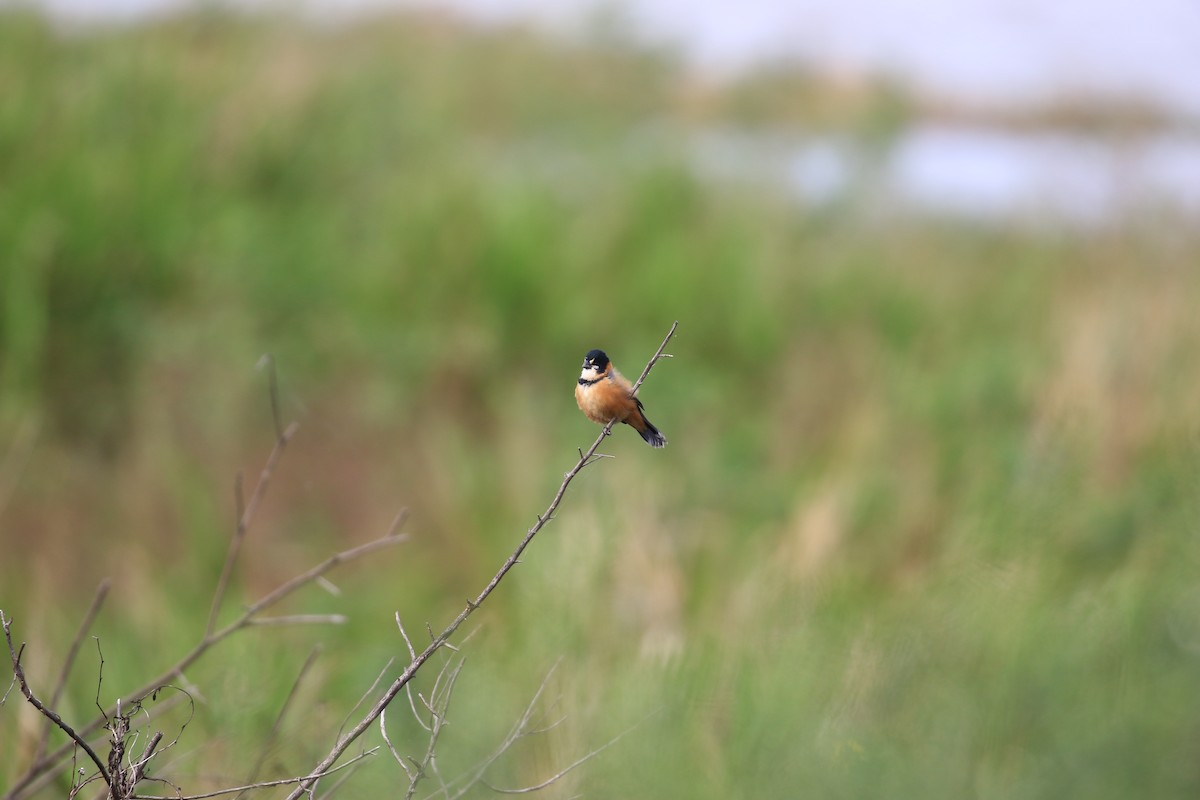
(604, 395)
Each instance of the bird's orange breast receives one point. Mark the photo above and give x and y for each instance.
(604, 401)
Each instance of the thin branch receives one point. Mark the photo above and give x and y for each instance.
(329, 586)
(31, 783)
(259, 785)
(388, 741)
(411, 652)
(273, 734)
(139, 768)
(519, 729)
(438, 707)
(413, 705)
(19, 672)
(347, 775)
(176, 671)
(363, 697)
(283, 590)
(270, 599)
(301, 619)
(345, 741)
(69, 661)
(100, 681)
(73, 650)
(548, 728)
(244, 519)
(267, 360)
(183, 695)
(245, 513)
(654, 359)
(561, 773)
(44, 763)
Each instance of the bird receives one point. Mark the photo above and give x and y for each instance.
(604, 396)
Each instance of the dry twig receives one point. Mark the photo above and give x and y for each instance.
(287, 702)
(437, 705)
(176, 672)
(69, 662)
(48, 763)
(49, 713)
(520, 729)
(458, 787)
(259, 785)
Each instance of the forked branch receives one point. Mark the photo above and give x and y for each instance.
(46, 764)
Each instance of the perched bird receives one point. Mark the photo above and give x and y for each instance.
(604, 395)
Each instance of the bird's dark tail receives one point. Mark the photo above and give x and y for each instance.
(637, 420)
(652, 435)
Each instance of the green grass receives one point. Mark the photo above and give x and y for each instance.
(925, 525)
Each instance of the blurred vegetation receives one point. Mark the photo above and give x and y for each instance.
(925, 526)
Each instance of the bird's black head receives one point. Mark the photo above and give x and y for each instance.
(596, 359)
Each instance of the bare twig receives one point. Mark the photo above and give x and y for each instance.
(404, 633)
(69, 662)
(19, 673)
(30, 784)
(259, 785)
(245, 516)
(343, 778)
(363, 697)
(100, 679)
(245, 620)
(280, 592)
(437, 706)
(400, 682)
(73, 650)
(138, 769)
(245, 512)
(268, 361)
(657, 355)
(391, 747)
(301, 619)
(283, 590)
(562, 772)
(287, 702)
(519, 729)
(43, 763)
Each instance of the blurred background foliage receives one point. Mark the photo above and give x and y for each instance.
(926, 525)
